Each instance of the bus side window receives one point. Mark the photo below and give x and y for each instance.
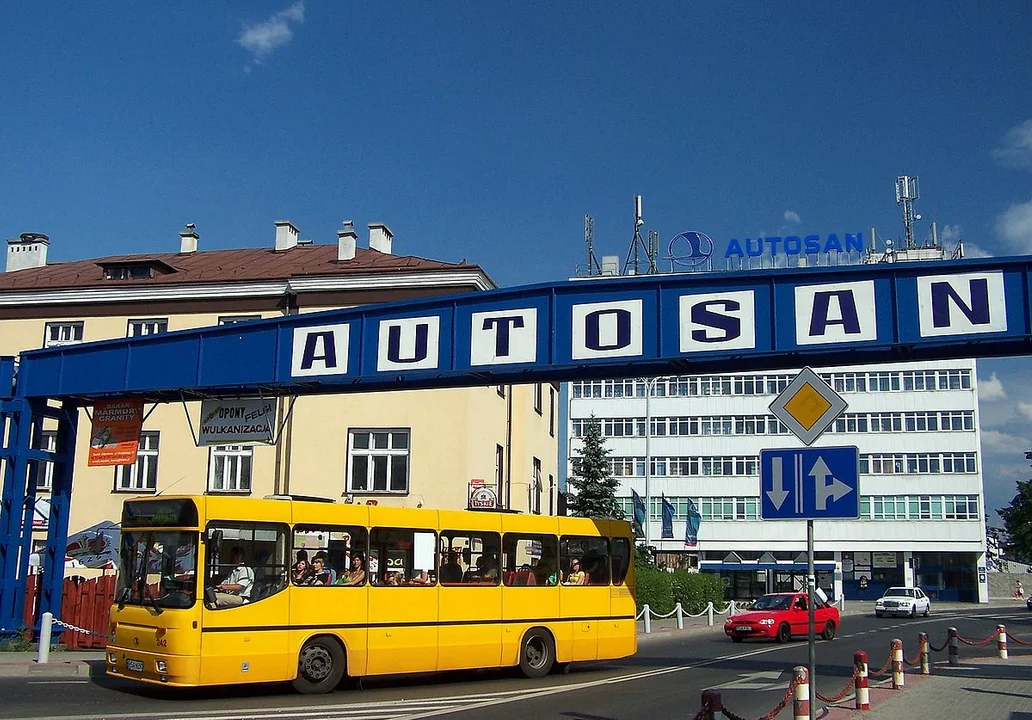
(531, 559)
(323, 556)
(470, 558)
(262, 563)
(403, 557)
(621, 559)
(584, 560)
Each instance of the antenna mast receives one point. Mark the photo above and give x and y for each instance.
(636, 242)
(589, 238)
(906, 194)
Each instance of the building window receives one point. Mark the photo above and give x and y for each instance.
(236, 319)
(128, 272)
(501, 390)
(45, 470)
(229, 468)
(536, 488)
(141, 476)
(551, 411)
(153, 326)
(62, 333)
(379, 461)
(537, 398)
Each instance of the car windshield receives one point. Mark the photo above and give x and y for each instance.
(771, 602)
(899, 592)
(158, 569)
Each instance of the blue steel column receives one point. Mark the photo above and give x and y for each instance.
(60, 504)
(12, 505)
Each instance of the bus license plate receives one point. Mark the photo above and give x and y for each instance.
(739, 628)
(134, 665)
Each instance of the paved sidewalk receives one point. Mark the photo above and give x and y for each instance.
(983, 688)
(63, 663)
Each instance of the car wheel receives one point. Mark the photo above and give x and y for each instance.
(913, 611)
(736, 639)
(784, 633)
(320, 666)
(537, 654)
(829, 631)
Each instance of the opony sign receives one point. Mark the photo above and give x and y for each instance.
(235, 422)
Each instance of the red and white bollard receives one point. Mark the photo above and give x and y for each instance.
(863, 693)
(712, 705)
(925, 664)
(1001, 641)
(801, 696)
(897, 664)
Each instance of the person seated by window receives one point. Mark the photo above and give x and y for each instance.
(451, 571)
(394, 578)
(236, 588)
(356, 575)
(576, 576)
(486, 570)
(321, 575)
(420, 577)
(301, 572)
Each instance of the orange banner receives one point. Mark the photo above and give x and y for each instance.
(115, 438)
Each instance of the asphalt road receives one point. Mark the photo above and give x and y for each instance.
(664, 680)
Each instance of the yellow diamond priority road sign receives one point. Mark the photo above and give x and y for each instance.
(808, 406)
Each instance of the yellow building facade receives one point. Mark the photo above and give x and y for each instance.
(424, 448)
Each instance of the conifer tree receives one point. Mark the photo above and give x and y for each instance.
(593, 480)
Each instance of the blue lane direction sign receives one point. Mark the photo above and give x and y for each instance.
(810, 484)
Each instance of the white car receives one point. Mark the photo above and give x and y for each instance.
(903, 601)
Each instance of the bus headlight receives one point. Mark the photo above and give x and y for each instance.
(112, 658)
(161, 666)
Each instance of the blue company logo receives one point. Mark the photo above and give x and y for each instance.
(689, 249)
(794, 245)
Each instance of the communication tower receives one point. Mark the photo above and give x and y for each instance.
(589, 239)
(638, 242)
(906, 193)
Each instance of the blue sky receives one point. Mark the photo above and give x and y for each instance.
(486, 131)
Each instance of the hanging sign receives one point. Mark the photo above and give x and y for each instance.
(115, 438)
(236, 422)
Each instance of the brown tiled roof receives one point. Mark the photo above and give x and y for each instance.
(216, 266)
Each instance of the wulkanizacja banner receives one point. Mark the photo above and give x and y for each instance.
(236, 422)
(115, 437)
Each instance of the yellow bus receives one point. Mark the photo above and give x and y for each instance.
(217, 590)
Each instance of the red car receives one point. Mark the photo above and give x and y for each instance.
(780, 616)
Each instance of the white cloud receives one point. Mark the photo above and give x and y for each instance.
(265, 37)
(1000, 441)
(1016, 149)
(792, 216)
(1025, 409)
(991, 389)
(1015, 226)
(974, 251)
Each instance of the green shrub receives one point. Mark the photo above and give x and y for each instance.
(661, 590)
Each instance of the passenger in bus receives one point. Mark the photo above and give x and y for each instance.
(302, 572)
(394, 578)
(236, 588)
(576, 576)
(356, 575)
(420, 577)
(486, 570)
(321, 575)
(451, 571)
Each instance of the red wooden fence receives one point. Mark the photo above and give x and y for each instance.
(85, 604)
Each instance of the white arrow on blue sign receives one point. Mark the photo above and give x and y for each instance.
(810, 484)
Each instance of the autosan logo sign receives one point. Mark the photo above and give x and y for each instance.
(774, 245)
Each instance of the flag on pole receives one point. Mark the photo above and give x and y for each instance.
(691, 529)
(668, 519)
(639, 514)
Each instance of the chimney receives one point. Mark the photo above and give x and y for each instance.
(28, 251)
(188, 238)
(347, 239)
(380, 237)
(286, 235)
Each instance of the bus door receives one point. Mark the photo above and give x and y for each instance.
(531, 595)
(584, 596)
(470, 631)
(402, 635)
(244, 635)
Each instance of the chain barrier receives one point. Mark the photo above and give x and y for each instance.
(884, 669)
(917, 659)
(1019, 641)
(784, 701)
(939, 649)
(978, 643)
(76, 628)
(842, 694)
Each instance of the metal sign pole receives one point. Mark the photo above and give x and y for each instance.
(811, 583)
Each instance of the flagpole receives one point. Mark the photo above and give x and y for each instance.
(649, 384)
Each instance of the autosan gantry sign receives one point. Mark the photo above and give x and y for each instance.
(706, 322)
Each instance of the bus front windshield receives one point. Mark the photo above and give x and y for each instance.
(158, 569)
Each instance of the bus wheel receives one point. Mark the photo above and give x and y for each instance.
(320, 666)
(537, 654)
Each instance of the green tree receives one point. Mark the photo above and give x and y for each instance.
(1017, 519)
(593, 480)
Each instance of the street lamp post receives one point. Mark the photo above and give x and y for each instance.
(650, 384)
